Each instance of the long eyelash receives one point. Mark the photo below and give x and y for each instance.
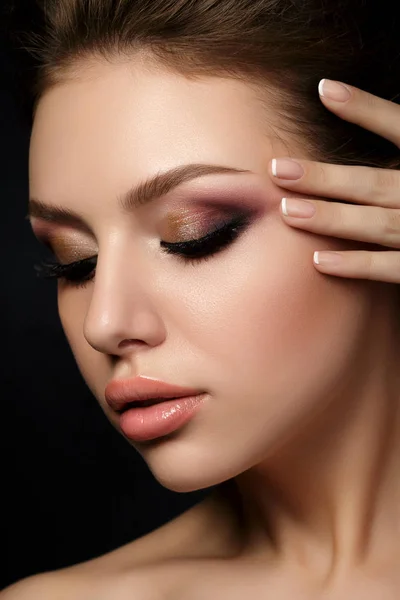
(79, 273)
(210, 244)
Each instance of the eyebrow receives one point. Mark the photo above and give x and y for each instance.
(139, 195)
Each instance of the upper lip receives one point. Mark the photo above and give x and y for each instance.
(121, 392)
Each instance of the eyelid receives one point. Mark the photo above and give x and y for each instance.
(64, 242)
(188, 224)
(210, 229)
(190, 252)
(212, 242)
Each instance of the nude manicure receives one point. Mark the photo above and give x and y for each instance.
(286, 168)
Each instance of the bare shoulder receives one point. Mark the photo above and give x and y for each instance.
(70, 585)
(27, 588)
(123, 574)
(43, 586)
(132, 570)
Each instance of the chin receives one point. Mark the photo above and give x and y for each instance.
(183, 470)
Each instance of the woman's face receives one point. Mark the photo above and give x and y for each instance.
(255, 324)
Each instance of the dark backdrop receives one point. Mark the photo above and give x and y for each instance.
(72, 487)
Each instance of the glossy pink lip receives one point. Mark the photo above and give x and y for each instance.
(121, 392)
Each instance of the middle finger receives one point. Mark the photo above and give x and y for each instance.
(369, 224)
(362, 185)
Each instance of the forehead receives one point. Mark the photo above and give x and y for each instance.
(116, 123)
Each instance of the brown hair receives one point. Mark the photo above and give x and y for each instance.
(289, 45)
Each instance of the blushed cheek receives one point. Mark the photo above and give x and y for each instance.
(277, 316)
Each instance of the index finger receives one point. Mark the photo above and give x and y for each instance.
(362, 108)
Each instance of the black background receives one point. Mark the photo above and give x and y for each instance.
(72, 487)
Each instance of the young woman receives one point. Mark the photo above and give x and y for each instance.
(189, 180)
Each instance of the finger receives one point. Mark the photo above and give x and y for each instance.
(365, 224)
(361, 185)
(364, 109)
(361, 264)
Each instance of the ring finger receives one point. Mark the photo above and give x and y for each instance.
(371, 224)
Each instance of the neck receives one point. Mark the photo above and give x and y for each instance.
(330, 499)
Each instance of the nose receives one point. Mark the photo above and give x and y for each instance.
(122, 315)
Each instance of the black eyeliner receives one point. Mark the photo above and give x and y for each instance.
(210, 243)
(82, 271)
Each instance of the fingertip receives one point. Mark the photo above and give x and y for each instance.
(334, 91)
(321, 87)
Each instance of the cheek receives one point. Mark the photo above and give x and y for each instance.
(267, 315)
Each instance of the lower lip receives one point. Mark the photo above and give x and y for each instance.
(152, 422)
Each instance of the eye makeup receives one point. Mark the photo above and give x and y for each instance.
(63, 241)
(187, 223)
(192, 251)
(192, 228)
(213, 242)
(69, 248)
(193, 213)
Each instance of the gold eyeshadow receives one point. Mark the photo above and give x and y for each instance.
(70, 249)
(187, 224)
(199, 216)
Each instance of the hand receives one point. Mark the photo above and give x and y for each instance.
(378, 222)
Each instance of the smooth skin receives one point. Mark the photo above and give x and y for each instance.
(324, 557)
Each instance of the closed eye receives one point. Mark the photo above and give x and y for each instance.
(209, 244)
(79, 273)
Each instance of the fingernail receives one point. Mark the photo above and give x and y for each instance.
(333, 90)
(297, 208)
(328, 258)
(285, 168)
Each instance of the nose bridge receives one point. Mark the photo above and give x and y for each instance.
(122, 310)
